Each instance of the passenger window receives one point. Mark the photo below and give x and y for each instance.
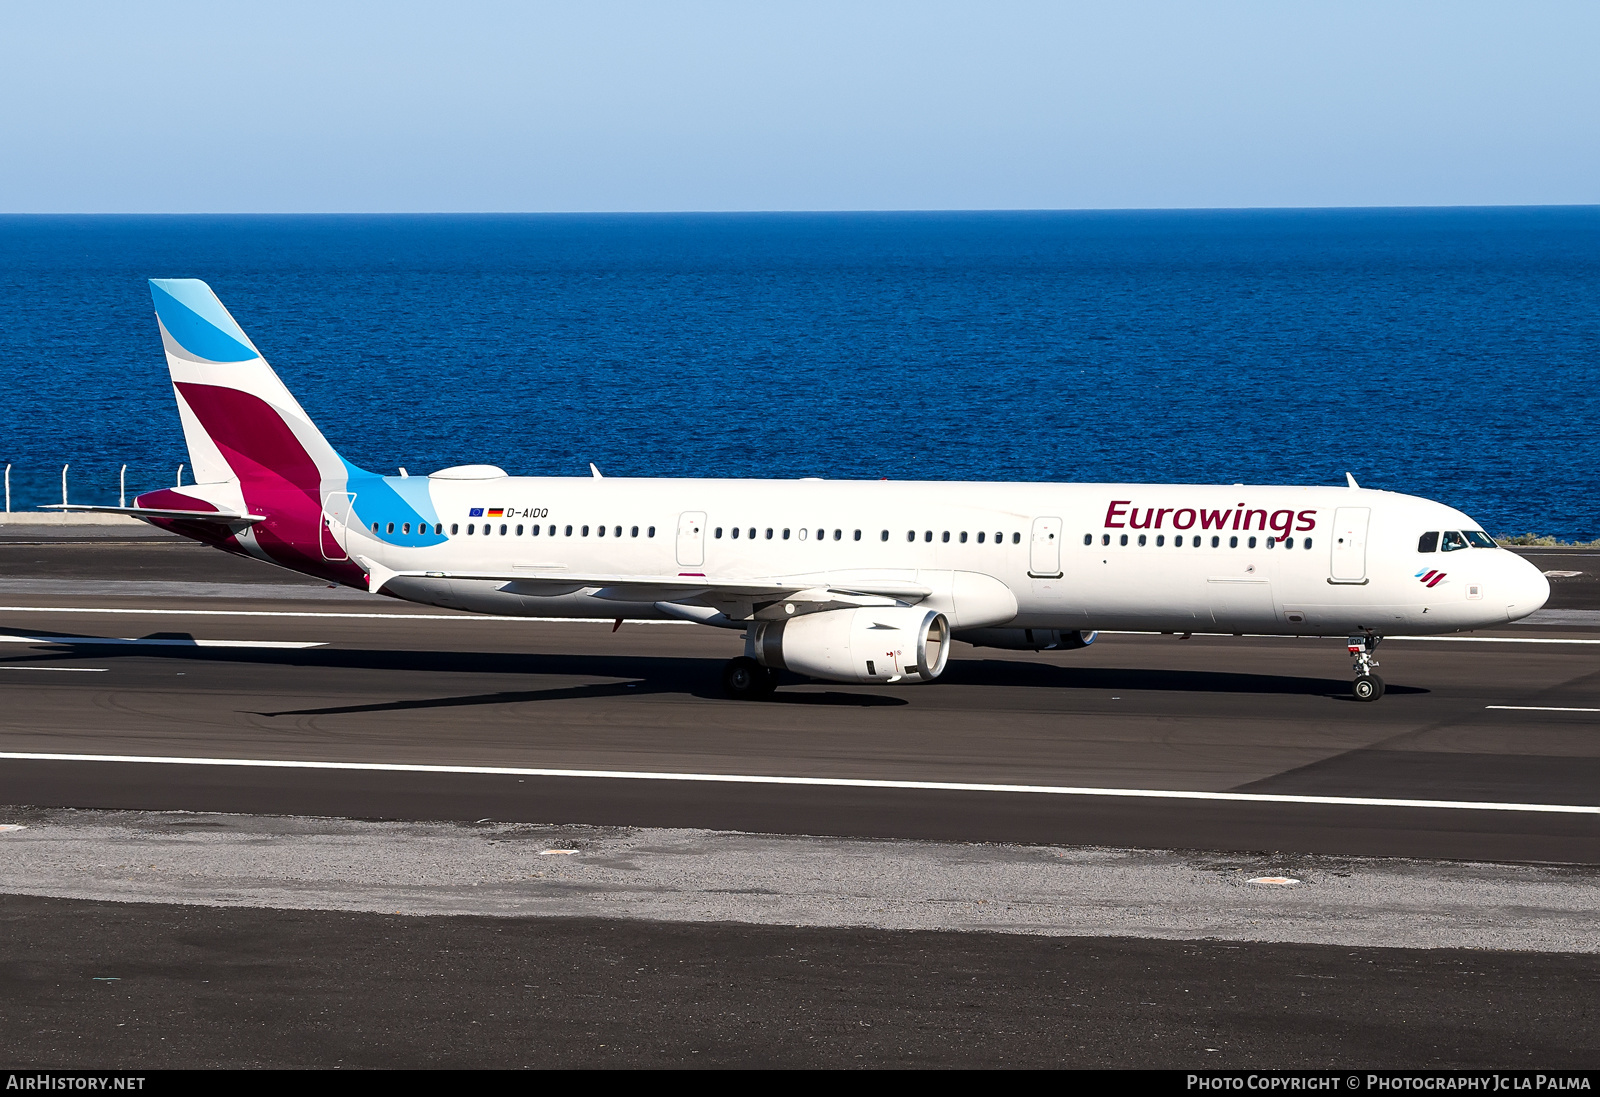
(838, 534)
(1288, 542)
(519, 531)
(1124, 539)
(600, 532)
(858, 535)
(438, 530)
(569, 530)
(786, 535)
(1306, 543)
(927, 536)
(769, 533)
(1161, 539)
(945, 537)
(1252, 542)
(552, 530)
(802, 535)
(999, 538)
(455, 528)
(735, 532)
(618, 531)
(1177, 541)
(1233, 542)
(1197, 542)
(1105, 538)
(1428, 542)
(1479, 539)
(502, 529)
(884, 536)
(1216, 542)
(374, 527)
(1271, 541)
(1452, 541)
(911, 535)
(1141, 540)
(651, 532)
(1088, 538)
(1016, 538)
(405, 527)
(718, 533)
(390, 528)
(634, 532)
(963, 537)
(821, 534)
(471, 528)
(535, 531)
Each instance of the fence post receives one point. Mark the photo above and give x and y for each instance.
(122, 487)
(64, 469)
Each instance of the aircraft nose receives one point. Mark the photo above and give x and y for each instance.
(1528, 589)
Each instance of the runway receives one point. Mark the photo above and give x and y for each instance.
(1502, 719)
(149, 674)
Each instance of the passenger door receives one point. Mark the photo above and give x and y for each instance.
(1349, 545)
(336, 508)
(1044, 552)
(692, 539)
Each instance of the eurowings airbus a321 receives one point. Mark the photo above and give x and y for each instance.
(848, 581)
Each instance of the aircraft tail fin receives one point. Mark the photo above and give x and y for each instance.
(239, 420)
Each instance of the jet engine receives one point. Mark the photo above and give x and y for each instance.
(892, 644)
(1027, 639)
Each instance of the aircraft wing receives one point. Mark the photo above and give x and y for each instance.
(674, 589)
(221, 517)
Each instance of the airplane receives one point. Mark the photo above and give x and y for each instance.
(844, 581)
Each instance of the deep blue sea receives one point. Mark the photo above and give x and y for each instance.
(1450, 353)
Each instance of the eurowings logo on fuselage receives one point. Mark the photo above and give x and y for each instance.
(1430, 579)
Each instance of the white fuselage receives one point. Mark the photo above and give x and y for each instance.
(1282, 560)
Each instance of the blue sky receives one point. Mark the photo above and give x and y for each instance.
(285, 107)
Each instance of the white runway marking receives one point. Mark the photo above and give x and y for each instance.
(64, 670)
(630, 623)
(1540, 708)
(162, 642)
(816, 782)
(311, 613)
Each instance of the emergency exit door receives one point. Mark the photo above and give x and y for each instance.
(1044, 551)
(692, 539)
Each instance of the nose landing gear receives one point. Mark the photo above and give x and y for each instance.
(1367, 686)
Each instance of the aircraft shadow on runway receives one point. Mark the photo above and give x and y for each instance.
(1005, 672)
(694, 676)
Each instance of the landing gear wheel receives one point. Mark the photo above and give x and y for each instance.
(744, 679)
(1367, 687)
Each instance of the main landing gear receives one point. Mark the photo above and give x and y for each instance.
(744, 679)
(1367, 686)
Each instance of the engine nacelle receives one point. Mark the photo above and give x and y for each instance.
(1027, 639)
(893, 644)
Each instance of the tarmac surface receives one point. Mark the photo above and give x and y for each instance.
(1484, 750)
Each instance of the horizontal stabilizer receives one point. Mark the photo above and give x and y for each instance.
(220, 517)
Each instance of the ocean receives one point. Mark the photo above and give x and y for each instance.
(1451, 353)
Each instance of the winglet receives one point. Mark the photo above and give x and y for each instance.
(1351, 480)
(596, 471)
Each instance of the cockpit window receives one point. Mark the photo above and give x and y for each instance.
(1428, 542)
(1453, 541)
(1479, 539)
